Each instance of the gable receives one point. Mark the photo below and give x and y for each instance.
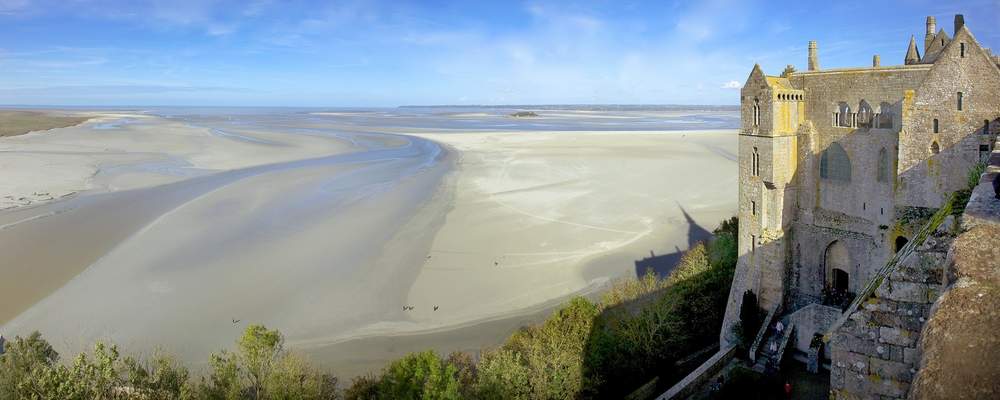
(941, 40)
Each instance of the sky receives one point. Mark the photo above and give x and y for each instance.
(365, 53)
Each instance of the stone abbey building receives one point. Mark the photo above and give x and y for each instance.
(839, 168)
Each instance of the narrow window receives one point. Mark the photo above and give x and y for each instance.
(942, 42)
(882, 167)
(881, 211)
(753, 243)
(755, 163)
(961, 47)
(984, 152)
(959, 101)
(753, 207)
(864, 206)
(935, 125)
(756, 112)
(986, 127)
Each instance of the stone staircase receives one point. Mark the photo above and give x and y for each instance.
(772, 349)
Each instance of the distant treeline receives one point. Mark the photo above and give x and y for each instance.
(636, 332)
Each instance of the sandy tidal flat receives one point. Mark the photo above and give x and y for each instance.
(331, 235)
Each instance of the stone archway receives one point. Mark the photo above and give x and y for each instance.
(900, 242)
(837, 264)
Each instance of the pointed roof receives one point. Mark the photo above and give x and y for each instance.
(940, 41)
(912, 55)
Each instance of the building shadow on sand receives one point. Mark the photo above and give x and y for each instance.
(663, 264)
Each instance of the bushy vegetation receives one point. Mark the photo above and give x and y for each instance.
(635, 332)
(260, 368)
(972, 180)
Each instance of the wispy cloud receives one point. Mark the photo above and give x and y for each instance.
(732, 85)
(113, 90)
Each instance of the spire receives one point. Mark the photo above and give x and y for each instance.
(912, 56)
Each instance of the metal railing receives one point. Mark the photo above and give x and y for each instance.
(890, 265)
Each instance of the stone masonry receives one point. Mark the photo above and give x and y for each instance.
(875, 352)
(839, 168)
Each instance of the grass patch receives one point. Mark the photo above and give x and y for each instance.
(17, 122)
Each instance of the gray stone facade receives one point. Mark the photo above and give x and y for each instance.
(839, 168)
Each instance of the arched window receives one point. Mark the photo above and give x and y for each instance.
(755, 163)
(844, 116)
(882, 173)
(936, 126)
(865, 115)
(835, 164)
(884, 116)
(960, 101)
(935, 148)
(756, 112)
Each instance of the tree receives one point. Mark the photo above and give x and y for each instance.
(749, 318)
(419, 376)
(262, 369)
(22, 357)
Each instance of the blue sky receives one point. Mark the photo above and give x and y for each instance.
(387, 53)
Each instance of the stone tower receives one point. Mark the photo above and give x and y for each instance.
(771, 112)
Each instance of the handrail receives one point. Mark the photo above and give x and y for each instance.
(890, 265)
(789, 331)
(761, 332)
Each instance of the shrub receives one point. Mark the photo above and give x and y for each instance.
(363, 387)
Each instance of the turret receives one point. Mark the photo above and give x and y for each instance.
(876, 61)
(959, 23)
(912, 56)
(813, 57)
(929, 36)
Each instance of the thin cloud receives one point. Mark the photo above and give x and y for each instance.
(732, 85)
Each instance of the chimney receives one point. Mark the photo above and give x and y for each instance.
(813, 58)
(959, 23)
(876, 62)
(931, 30)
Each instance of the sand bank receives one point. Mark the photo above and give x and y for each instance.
(537, 217)
(181, 229)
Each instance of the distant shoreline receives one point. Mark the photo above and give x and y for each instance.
(589, 107)
(20, 122)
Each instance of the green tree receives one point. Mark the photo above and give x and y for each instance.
(419, 376)
(261, 368)
(503, 374)
(22, 357)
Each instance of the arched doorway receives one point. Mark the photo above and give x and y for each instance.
(837, 262)
(900, 242)
(841, 280)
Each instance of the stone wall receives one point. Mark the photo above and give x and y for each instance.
(960, 343)
(875, 353)
(927, 178)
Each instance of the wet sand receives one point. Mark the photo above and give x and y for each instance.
(181, 229)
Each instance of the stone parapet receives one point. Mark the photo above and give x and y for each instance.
(875, 353)
(960, 344)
